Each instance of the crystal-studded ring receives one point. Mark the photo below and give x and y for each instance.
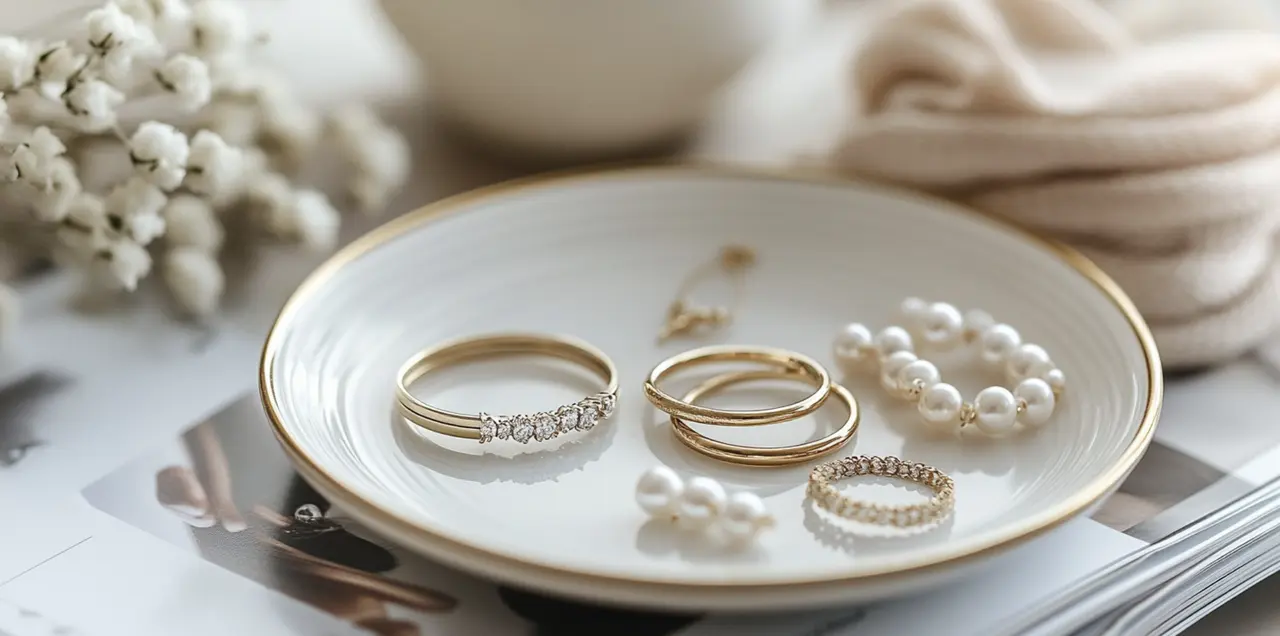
(542, 426)
(927, 513)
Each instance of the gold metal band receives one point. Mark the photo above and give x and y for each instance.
(765, 456)
(787, 362)
(475, 426)
(931, 512)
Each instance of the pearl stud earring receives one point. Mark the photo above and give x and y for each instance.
(996, 410)
(702, 504)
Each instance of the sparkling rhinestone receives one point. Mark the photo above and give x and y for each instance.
(904, 470)
(544, 427)
(607, 403)
(916, 470)
(567, 418)
(588, 419)
(522, 429)
(307, 513)
(864, 466)
(891, 465)
(502, 428)
(487, 428)
(877, 466)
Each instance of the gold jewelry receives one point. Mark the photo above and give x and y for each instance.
(764, 456)
(936, 509)
(683, 318)
(787, 361)
(580, 416)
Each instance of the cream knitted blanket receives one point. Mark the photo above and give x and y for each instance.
(1161, 161)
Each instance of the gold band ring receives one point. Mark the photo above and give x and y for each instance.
(579, 416)
(764, 456)
(789, 363)
(930, 512)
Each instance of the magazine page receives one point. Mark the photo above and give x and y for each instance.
(1216, 441)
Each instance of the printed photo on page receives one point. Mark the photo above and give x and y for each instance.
(225, 491)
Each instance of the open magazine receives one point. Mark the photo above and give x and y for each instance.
(111, 530)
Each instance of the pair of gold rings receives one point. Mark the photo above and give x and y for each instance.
(524, 428)
(779, 364)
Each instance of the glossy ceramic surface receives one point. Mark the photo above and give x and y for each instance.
(599, 257)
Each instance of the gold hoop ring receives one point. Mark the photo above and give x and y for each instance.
(764, 456)
(935, 510)
(788, 362)
(579, 416)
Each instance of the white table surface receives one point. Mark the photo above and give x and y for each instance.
(784, 107)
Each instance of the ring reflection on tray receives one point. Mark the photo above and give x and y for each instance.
(850, 536)
(661, 538)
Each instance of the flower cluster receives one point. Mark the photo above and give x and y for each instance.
(236, 143)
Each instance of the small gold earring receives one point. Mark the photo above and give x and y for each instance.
(684, 318)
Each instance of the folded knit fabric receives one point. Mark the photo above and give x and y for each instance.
(1161, 160)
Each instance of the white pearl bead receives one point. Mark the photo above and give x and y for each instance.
(658, 491)
(997, 410)
(1039, 400)
(976, 322)
(942, 325)
(913, 310)
(853, 343)
(919, 370)
(1056, 379)
(701, 502)
(1027, 361)
(745, 515)
(997, 342)
(940, 404)
(893, 339)
(891, 367)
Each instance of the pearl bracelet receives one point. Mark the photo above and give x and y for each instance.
(996, 410)
(936, 509)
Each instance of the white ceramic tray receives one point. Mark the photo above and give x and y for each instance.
(599, 256)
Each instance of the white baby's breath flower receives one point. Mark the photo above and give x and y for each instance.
(218, 27)
(159, 154)
(316, 222)
(382, 161)
(118, 39)
(83, 232)
(213, 166)
(188, 78)
(17, 62)
(350, 122)
(109, 27)
(379, 156)
(164, 17)
(270, 193)
(194, 279)
(32, 160)
(237, 123)
(93, 103)
(191, 222)
(125, 261)
(87, 212)
(57, 63)
(288, 126)
(53, 201)
(133, 209)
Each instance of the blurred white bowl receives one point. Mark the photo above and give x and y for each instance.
(575, 78)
